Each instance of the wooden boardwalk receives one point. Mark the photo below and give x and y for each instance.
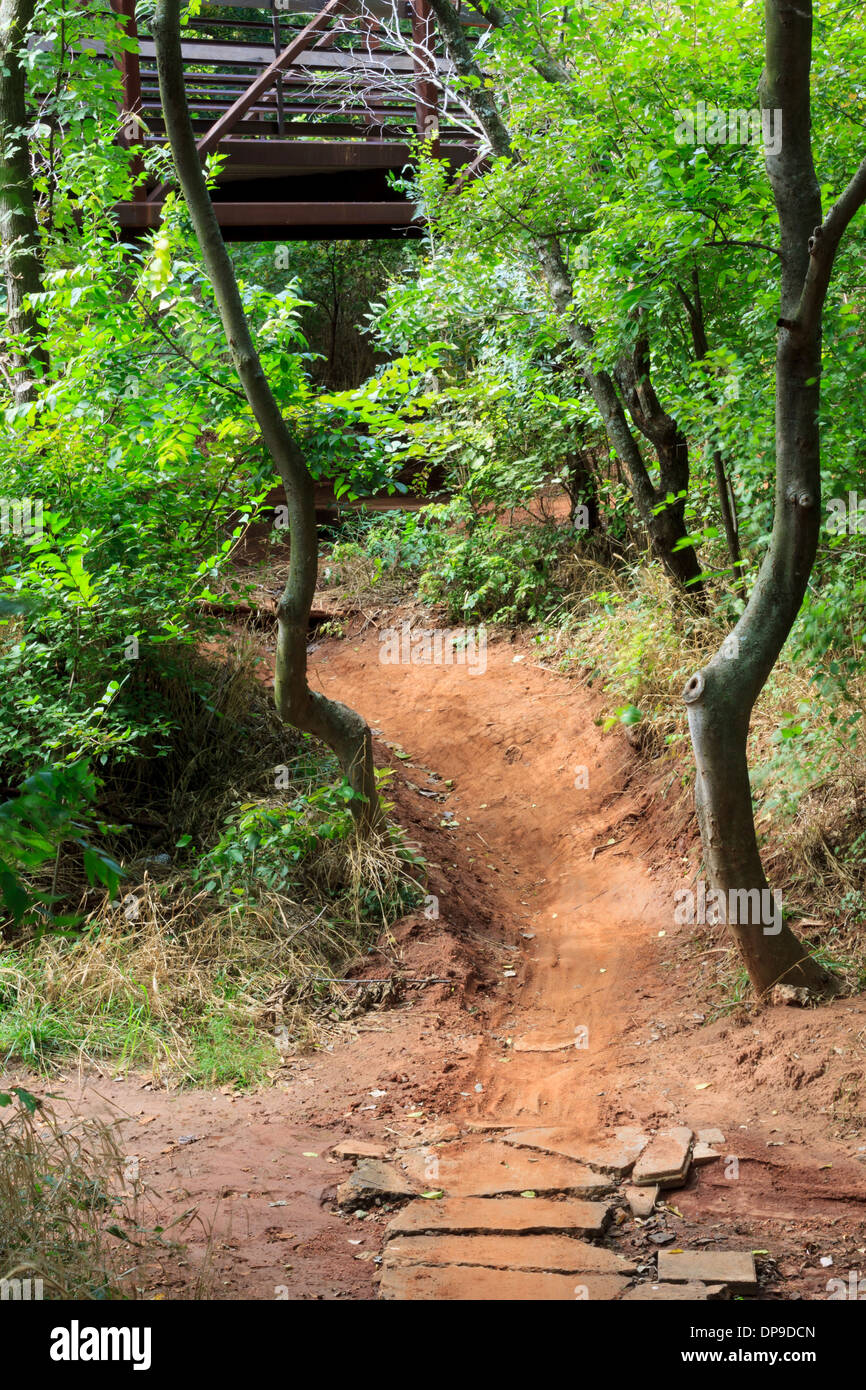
(314, 108)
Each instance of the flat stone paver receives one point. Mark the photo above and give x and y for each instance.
(490, 1126)
(732, 1267)
(554, 1254)
(456, 1282)
(665, 1160)
(704, 1153)
(372, 1179)
(359, 1148)
(494, 1169)
(501, 1216)
(615, 1154)
(709, 1136)
(672, 1293)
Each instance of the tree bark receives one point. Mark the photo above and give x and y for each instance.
(664, 521)
(720, 698)
(19, 231)
(341, 728)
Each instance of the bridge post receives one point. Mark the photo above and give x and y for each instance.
(426, 103)
(131, 132)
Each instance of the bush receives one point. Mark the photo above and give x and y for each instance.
(486, 570)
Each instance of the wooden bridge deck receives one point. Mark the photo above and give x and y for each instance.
(313, 107)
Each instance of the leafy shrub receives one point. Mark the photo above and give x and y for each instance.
(262, 846)
(486, 570)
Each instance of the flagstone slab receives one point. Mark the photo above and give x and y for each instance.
(704, 1153)
(490, 1126)
(665, 1160)
(494, 1169)
(359, 1148)
(615, 1154)
(736, 1268)
(673, 1293)
(554, 1254)
(544, 1040)
(372, 1179)
(501, 1216)
(458, 1283)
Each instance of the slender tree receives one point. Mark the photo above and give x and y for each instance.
(19, 231)
(341, 728)
(720, 698)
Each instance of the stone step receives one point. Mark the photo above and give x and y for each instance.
(456, 1283)
(545, 1040)
(370, 1180)
(665, 1160)
(495, 1169)
(501, 1216)
(736, 1268)
(615, 1154)
(673, 1293)
(550, 1254)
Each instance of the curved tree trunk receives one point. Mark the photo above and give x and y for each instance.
(720, 698)
(19, 232)
(341, 728)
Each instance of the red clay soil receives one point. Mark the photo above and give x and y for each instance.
(555, 891)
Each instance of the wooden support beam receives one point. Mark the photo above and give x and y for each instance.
(426, 96)
(131, 132)
(268, 218)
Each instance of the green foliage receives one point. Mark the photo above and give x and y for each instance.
(261, 846)
(52, 809)
(485, 570)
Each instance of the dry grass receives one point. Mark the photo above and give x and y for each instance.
(69, 1207)
(206, 986)
(194, 988)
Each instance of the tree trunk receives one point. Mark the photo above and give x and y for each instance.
(695, 311)
(720, 698)
(19, 232)
(341, 728)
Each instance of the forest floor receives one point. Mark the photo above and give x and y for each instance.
(555, 914)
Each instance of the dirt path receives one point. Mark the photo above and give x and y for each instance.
(569, 1006)
(515, 741)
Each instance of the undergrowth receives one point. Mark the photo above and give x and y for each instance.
(71, 1209)
(245, 892)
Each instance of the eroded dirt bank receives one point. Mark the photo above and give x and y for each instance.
(553, 869)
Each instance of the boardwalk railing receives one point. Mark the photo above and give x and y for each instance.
(312, 106)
